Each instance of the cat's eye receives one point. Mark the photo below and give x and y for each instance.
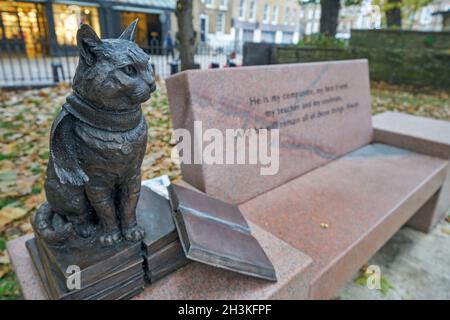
(129, 70)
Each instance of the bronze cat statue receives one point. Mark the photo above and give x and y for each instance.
(97, 144)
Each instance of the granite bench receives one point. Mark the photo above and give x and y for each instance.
(346, 182)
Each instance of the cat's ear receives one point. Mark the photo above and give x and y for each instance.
(87, 40)
(130, 31)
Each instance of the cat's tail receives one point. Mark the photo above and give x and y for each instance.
(43, 224)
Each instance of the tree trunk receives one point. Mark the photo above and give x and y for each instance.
(186, 33)
(394, 15)
(329, 17)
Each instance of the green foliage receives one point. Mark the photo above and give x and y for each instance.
(409, 5)
(9, 288)
(385, 283)
(352, 3)
(429, 41)
(307, 1)
(6, 202)
(36, 189)
(2, 244)
(321, 41)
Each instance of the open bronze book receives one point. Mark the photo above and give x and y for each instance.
(216, 233)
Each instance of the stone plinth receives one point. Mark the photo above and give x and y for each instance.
(198, 281)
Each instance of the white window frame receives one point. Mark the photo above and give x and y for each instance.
(242, 9)
(425, 15)
(206, 18)
(266, 14)
(221, 18)
(275, 15)
(223, 4)
(209, 3)
(287, 15)
(252, 13)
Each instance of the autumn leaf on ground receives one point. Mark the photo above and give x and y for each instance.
(9, 214)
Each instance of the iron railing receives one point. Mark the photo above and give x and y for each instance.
(47, 65)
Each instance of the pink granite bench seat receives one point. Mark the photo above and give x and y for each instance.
(363, 197)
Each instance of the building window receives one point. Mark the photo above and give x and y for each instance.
(220, 23)
(287, 16)
(242, 9)
(209, 3)
(25, 24)
(69, 17)
(252, 14)
(288, 37)
(248, 35)
(223, 4)
(266, 13)
(425, 15)
(268, 36)
(203, 27)
(275, 15)
(310, 14)
(318, 13)
(309, 28)
(316, 27)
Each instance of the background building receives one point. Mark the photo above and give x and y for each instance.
(424, 19)
(364, 16)
(309, 17)
(266, 21)
(212, 21)
(43, 27)
(232, 22)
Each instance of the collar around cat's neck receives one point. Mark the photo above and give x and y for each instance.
(101, 119)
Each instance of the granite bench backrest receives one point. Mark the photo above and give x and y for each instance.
(322, 111)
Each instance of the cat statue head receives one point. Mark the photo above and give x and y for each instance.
(112, 74)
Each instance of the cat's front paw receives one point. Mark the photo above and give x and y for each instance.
(85, 229)
(134, 233)
(108, 239)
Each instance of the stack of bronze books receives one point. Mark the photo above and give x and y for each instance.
(93, 273)
(181, 225)
(162, 249)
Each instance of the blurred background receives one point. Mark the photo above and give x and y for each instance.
(407, 43)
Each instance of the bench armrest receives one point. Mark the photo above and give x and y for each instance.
(423, 135)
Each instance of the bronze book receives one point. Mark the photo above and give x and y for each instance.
(216, 233)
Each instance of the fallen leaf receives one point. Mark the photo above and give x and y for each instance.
(26, 227)
(34, 201)
(9, 214)
(4, 258)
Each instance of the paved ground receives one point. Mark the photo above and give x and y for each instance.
(416, 264)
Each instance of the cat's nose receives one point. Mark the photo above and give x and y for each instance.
(150, 81)
(149, 78)
(152, 86)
